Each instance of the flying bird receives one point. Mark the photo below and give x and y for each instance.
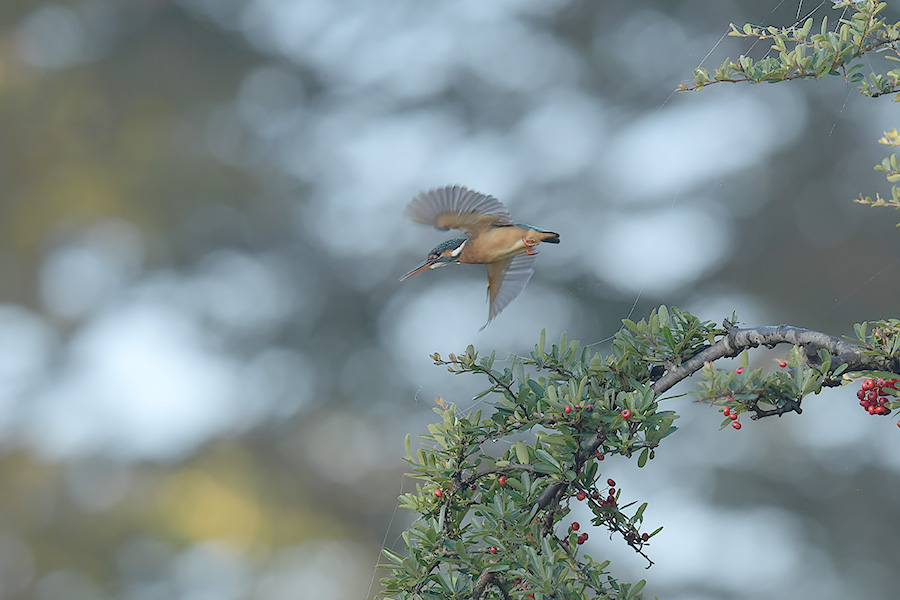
(492, 239)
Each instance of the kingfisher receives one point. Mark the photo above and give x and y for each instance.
(492, 239)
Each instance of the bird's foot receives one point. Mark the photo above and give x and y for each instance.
(529, 245)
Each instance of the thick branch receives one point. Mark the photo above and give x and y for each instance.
(737, 340)
(487, 578)
(554, 491)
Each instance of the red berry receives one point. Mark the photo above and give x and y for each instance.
(726, 411)
(645, 536)
(626, 414)
(589, 408)
(611, 483)
(860, 394)
(782, 364)
(493, 549)
(531, 595)
(575, 525)
(880, 383)
(600, 456)
(733, 416)
(473, 487)
(568, 409)
(577, 407)
(502, 480)
(581, 495)
(898, 423)
(612, 491)
(736, 425)
(438, 493)
(868, 384)
(739, 370)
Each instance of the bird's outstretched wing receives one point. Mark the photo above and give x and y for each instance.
(506, 280)
(456, 207)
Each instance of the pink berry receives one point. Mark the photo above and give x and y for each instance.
(568, 409)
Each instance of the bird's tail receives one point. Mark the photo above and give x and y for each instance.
(551, 237)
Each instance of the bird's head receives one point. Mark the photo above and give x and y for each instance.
(443, 254)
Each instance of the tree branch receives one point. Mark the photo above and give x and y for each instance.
(737, 340)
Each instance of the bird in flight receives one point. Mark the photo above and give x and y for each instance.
(492, 239)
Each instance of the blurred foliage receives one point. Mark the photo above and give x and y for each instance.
(131, 133)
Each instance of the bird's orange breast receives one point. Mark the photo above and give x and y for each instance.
(496, 244)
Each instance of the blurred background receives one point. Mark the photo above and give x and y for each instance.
(208, 366)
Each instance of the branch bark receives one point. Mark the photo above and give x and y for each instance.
(737, 340)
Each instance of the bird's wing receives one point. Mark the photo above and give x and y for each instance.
(456, 207)
(506, 280)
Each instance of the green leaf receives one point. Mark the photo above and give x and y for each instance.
(642, 459)
(663, 315)
(548, 458)
(521, 452)
(392, 556)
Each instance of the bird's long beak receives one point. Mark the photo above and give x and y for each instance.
(421, 267)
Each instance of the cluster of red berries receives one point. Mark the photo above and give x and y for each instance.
(733, 416)
(872, 396)
(520, 585)
(631, 537)
(582, 537)
(610, 499)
